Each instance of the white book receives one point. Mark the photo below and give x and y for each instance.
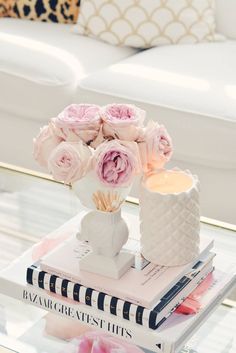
(170, 336)
(143, 284)
(150, 318)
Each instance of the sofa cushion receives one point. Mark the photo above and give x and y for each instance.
(225, 17)
(61, 11)
(148, 23)
(41, 63)
(192, 89)
(4, 7)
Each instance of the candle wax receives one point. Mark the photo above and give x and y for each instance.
(169, 182)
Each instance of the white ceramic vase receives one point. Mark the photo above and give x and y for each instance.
(170, 225)
(106, 232)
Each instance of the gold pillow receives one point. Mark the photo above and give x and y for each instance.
(62, 11)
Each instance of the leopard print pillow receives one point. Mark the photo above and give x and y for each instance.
(62, 11)
(4, 8)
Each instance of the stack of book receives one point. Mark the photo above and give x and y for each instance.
(146, 295)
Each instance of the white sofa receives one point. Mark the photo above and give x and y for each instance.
(189, 88)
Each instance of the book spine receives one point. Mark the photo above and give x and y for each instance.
(113, 325)
(99, 300)
(71, 278)
(120, 291)
(112, 305)
(79, 293)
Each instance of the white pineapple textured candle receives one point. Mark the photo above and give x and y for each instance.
(170, 218)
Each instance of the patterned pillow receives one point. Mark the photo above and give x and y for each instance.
(4, 7)
(62, 11)
(147, 23)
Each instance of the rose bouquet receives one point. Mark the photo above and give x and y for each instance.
(100, 151)
(107, 146)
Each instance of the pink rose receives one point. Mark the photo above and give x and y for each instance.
(44, 143)
(69, 161)
(122, 121)
(100, 342)
(116, 162)
(156, 148)
(78, 121)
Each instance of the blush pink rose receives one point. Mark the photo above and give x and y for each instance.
(78, 121)
(44, 143)
(156, 147)
(100, 342)
(122, 121)
(116, 162)
(69, 161)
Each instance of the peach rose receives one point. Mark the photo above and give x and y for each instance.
(44, 143)
(122, 121)
(156, 147)
(69, 161)
(78, 121)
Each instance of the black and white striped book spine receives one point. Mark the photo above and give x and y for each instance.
(118, 307)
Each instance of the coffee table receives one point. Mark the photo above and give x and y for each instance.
(31, 206)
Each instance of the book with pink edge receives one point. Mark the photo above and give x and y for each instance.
(143, 284)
